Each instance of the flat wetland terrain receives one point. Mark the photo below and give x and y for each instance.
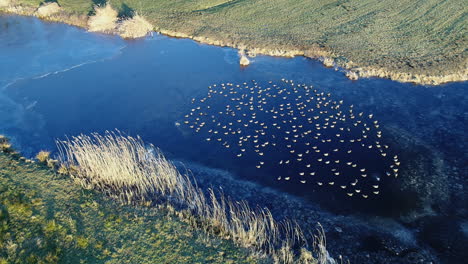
(375, 166)
(405, 40)
(46, 218)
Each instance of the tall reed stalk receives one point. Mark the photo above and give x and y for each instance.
(124, 167)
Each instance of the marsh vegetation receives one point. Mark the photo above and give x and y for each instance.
(46, 218)
(136, 86)
(124, 168)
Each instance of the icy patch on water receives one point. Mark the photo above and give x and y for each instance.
(30, 48)
(33, 49)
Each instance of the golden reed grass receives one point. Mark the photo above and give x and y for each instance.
(48, 9)
(125, 168)
(105, 19)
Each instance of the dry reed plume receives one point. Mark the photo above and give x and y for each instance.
(105, 19)
(244, 61)
(5, 145)
(43, 156)
(5, 3)
(48, 9)
(123, 167)
(135, 27)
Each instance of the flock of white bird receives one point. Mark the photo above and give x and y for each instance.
(298, 132)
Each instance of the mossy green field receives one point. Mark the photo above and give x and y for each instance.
(46, 218)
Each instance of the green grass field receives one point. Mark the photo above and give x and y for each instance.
(46, 218)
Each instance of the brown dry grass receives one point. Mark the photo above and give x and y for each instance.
(5, 3)
(105, 19)
(244, 61)
(48, 9)
(5, 145)
(135, 27)
(43, 156)
(125, 168)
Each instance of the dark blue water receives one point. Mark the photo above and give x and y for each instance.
(58, 80)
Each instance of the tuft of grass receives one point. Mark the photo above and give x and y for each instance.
(125, 168)
(104, 20)
(5, 3)
(135, 27)
(43, 156)
(62, 169)
(52, 163)
(5, 145)
(244, 61)
(328, 62)
(48, 9)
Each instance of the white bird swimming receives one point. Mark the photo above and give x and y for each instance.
(247, 112)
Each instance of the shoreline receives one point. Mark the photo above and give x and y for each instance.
(352, 71)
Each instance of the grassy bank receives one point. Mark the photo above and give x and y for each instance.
(130, 171)
(46, 218)
(411, 41)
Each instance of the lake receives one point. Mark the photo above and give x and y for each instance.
(58, 81)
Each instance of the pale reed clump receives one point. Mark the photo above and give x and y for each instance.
(244, 61)
(105, 19)
(135, 27)
(124, 167)
(5, 3)
(5, 145)
(119, 164)
(48, 9)
(43, 156)
(328, 62)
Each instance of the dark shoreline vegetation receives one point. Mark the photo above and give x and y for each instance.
(420, 42)
(145, 179)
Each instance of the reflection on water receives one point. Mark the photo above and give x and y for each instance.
(146, 89)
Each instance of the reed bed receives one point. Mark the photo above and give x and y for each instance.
(105, 19)
(125, 168)
(135, 27)
(48, 9)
